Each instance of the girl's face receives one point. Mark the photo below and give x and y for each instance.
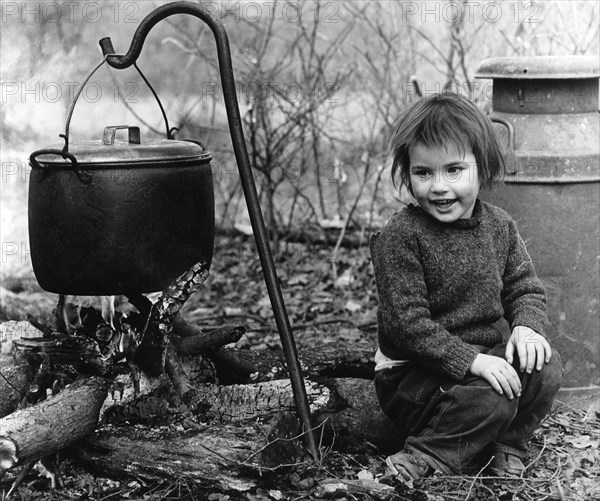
(444, 182)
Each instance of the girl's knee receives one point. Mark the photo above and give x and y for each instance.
(501, 408)
(552, 372)
(490, 406)
(545, 383)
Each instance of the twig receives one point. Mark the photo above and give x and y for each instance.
(15, 389)
(291, 439)
(476, 477)
(561, 491)
(256, 318)
(536, 459)
(19, 480)
(328, 450)
(574, 409)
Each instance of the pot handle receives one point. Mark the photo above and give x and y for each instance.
(83, 176)
(108, 138)
(84, 83)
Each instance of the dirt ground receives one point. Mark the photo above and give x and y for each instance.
(330, 299)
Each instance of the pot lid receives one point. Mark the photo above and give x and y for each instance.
(134, 151)
(540, 67)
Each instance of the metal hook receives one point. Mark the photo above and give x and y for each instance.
(247, 180)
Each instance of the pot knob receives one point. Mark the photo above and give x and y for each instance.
(108, 138)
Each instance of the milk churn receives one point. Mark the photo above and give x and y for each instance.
(547, 110)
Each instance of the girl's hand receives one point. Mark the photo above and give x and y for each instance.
(499, 373)
(532, 349)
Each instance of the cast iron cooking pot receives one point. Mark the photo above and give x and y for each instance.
(115, 217)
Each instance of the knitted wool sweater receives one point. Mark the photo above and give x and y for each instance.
(441, 286)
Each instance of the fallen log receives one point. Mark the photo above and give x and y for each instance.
(248, 430)
(216, 461)
(192, 377)
(31, 433)
(344, 410)
(323, 361)
(15, 378)
(233, 434)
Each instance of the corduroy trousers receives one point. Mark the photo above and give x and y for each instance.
(449, 423)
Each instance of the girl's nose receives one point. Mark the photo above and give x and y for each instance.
(439, 186)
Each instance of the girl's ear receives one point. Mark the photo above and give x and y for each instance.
(405, 194)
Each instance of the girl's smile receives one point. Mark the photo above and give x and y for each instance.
(444, 180)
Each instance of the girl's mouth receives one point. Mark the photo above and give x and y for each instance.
(443, 204)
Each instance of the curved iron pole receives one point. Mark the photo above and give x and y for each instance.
(249, 188)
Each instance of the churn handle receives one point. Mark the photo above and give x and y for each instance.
(512, 168)
(247, 178)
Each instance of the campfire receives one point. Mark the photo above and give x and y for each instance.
(92, 342)
(84, 384)
(111, 218)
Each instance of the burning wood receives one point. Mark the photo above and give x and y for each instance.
(152, 351)
(91, 342)
(156, 337)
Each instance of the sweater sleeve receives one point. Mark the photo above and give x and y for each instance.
(523, 295)
(404, 313)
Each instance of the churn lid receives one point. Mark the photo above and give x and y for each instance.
(540, 67)
(116, 153)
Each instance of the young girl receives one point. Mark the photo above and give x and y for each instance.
(447, 269)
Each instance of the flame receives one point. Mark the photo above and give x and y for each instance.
(72, 311)
(71, 315)
(108, 310)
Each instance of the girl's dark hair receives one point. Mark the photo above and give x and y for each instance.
(437, 120)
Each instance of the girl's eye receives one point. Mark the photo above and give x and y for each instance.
(421, 173)
(455, 171)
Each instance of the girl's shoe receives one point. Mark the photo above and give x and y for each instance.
(408, 466)
(506, 465)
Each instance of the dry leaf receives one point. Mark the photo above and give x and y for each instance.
(365, 475)
(582, 441)
(352, 306)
